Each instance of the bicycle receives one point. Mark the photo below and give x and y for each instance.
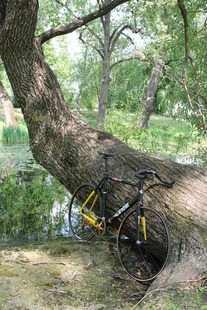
(143, 240)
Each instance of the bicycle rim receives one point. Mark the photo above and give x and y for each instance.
(144, 262)
(80, 226)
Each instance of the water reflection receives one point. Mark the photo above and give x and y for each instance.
(17, 157)
(53, 222)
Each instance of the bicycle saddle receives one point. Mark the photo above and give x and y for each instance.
(106, 155)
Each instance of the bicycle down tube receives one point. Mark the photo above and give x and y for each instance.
(124, 208)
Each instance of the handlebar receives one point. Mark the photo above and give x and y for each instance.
(142, 174)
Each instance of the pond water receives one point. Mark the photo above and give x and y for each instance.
(18, 159)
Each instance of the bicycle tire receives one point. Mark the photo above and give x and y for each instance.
(146, 261)
(79, 226)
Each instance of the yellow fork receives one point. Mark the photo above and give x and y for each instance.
(144, 227)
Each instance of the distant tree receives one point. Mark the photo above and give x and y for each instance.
(149, 98)
(178, 40)
(111, 37)
(10, 116)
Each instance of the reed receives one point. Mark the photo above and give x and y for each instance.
(15, 135)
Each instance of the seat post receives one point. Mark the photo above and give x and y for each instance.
(106, 166)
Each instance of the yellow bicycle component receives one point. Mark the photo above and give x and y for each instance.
(91, 218)
(87, 200)
(95, 199)
(144, 227)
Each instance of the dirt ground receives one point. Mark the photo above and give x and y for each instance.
(67, 274)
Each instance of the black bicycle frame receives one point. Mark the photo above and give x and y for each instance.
(138, 198)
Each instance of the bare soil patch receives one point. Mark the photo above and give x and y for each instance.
(66, 274)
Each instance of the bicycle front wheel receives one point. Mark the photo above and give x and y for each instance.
(84, 203)
(145, 259)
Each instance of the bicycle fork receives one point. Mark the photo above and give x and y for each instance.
(140, 216)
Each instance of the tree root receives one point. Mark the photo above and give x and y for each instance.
(199, 281)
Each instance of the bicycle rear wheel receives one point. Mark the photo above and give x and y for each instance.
(146, 260)
(79, 225)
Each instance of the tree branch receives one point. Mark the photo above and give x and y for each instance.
(124, 60)
(100, 5)
(95, 35)
(61, 30)
(96, 49)
(121, 32)
(181, 6)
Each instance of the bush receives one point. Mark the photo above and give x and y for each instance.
(27, 211)
(14, 102)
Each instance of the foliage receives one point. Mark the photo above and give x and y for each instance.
(87, 75)
(14, 135)
(161, 40)
(58, 58)
(165, 137)
(27, 210)
(183, 87)
(128, 82)
(14, 102)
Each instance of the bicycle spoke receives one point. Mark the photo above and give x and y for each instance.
(83, 202)
(144, 260)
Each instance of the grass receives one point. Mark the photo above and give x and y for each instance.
(181, 297)
(165, 137)
(13, 135)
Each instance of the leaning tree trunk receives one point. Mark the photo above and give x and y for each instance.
(67, 147)
(148, 100)
(8, 108)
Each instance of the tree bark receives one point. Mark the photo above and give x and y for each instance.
(102, 105)
(67, 147)
(148, 100)
(8, 108)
